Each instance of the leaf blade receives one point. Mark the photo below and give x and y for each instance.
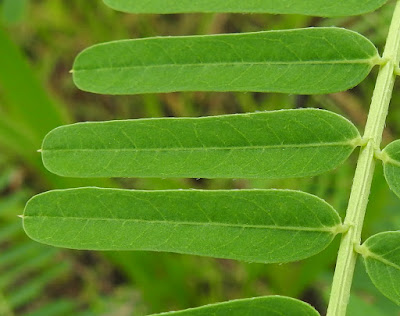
(391, 166)
(313, 7)
(250, 225)
(274, 144)
(382, 259)
(302, 61)
(268, 306)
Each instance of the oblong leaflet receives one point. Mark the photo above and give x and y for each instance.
(250, 225)
(276, 144)
(391, 166)
(302, 61)
(381, 254)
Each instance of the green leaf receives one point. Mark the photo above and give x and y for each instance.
(303, 61)
(391, 165)
(251, 225)
(307, 7)
(261, 306)
(276, 144)
(381, 254)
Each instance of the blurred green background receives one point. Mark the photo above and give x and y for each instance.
(39, 40)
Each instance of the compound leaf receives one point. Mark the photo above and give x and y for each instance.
(274, 144)
(307, 7)
(381, 254)
(262, 306)
(251, 225)
(391, 165)
(303, 61)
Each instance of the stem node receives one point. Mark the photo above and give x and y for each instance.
(362, 250)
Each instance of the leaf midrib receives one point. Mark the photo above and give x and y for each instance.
(349, 143)
(382, 260)
(391, 161)
(332, 229)
(367, 61)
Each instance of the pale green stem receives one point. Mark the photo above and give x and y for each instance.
(347, 255)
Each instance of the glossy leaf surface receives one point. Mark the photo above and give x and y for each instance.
(307, 7)
(302, 61)
(382, 258)
(262, 306)
(250, 225)
(276, 144)
(391, 164)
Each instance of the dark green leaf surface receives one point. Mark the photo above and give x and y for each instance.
(303, 61)
(260, 306)
(391, 165)
(307, 7)
(276, 144)
(381, 253)
(251, 225)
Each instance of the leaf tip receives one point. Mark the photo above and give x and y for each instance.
(40, 150)
(21, 216)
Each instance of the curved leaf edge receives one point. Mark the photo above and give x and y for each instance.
(299, 12)
(310, 310)
(375, 60)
